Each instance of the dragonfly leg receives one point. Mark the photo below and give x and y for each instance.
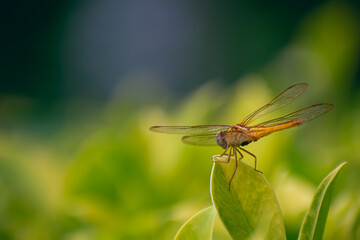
(224, 153)
(241, 156)
(254, 158)
(235, 150)
(236, 164)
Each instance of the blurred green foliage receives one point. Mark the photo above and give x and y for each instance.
(99, 173)
(315, 219)
(199, 226)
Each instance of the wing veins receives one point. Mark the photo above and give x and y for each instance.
(200, 140)
(282, 99)
(303, 115)
(189, 130)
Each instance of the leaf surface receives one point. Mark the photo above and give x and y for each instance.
(250, 209)
(315, 219)
(199, 226)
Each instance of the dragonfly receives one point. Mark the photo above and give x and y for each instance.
(233, 138)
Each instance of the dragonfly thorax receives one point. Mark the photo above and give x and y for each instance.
(233, 137)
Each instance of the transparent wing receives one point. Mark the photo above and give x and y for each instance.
(281, 100)
(201, 140)
(190, 130)
(299, 117)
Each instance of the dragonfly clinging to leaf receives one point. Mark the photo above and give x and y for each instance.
(233, 138)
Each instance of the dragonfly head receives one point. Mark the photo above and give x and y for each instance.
(220, 139)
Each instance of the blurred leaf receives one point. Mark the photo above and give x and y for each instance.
(199, 226)
(250, 209)
(315, 219)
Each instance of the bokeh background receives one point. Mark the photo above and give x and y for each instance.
(82, 81)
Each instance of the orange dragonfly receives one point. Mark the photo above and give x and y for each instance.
(233, 138)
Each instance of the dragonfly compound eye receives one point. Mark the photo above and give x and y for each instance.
(220, 139)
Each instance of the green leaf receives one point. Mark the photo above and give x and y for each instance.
(315, 219)
(199, 226)
(249, 210)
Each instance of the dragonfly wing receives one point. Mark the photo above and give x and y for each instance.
(301, 116)
(281, 100)
(190, 130)
(201, 140)
(290, 120)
